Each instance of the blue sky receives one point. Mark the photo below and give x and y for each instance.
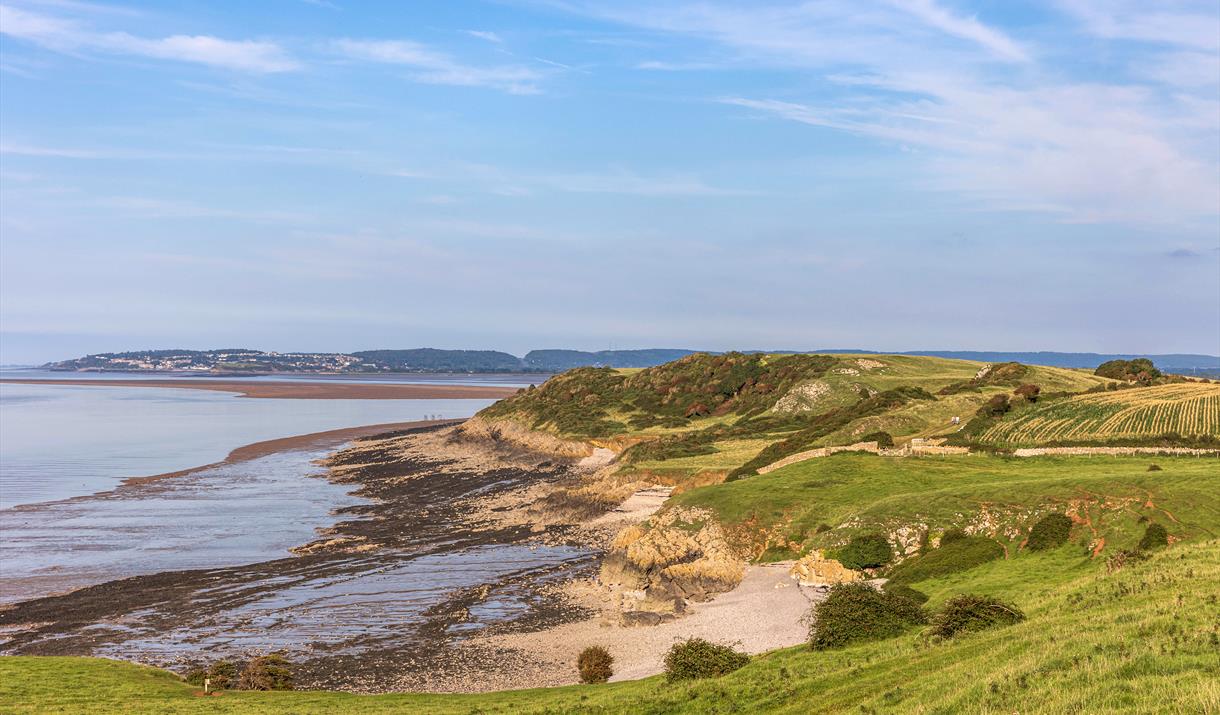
(334, 175)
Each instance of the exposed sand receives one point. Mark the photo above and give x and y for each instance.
(303, 390)
(313, 440)
(767, 611)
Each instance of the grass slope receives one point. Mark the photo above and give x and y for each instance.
(820, 503)
(1143, 639)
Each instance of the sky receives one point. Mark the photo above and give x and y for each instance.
(332, 175)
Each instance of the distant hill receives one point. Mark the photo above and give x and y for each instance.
(433, 360)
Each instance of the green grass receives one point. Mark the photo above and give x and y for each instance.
(1142, 639)
(1003, 495)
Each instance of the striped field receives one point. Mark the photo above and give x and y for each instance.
(1189, 409)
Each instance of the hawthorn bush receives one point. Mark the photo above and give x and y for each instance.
(967, 613)
(857, 612)
(866, 551)
(594, 664)
(697, 658)
(1050, 532)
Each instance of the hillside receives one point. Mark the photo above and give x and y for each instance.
(1190, 410)
(1141, 639)
(736, 412)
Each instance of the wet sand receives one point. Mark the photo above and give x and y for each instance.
(301, 390)
(314, 440)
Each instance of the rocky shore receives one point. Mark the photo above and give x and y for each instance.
(475, 563)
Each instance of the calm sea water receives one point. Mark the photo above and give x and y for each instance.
(62, 441)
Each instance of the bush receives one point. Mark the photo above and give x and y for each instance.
(223, 674)
(866, 552)
(857, 612)
(267, 672)
(884, 440)
(594, 664)
(896, 588)
(958, 554)
(697, 658)
(1154, 467)
(952, 535)
(997, 406)
(1155, 537)
(195, 677)
(1029, 391)
(967, 613)
(1050, 532)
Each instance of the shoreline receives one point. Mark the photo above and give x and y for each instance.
(312, 440)
(298, 390)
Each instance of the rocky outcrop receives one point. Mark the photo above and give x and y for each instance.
(514, 436)
(817, 570)
(676, 556)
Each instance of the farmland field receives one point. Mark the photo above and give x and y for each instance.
(1189, 409)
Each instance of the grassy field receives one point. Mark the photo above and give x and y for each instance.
(1142, 639)
(1187, 409)
(820, 503)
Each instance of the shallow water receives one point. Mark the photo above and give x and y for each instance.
(233, 514)
(62, 441)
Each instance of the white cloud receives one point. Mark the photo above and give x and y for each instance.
(485, 35)
(432, 67)
(967, 28)
(69, 37)
(1183, 24)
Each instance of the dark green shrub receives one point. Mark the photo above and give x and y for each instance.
(952, 535)
(1050, 532)
(267, 672)
(697, 658)
(968, 612)
(896, 588)
(1155, 537)
(866, 551)
(195, 677)
(1139, 370)
(594, 664)
(857, 612)
(1154, 468)
(884, 440)
(958, 554)
(223, 674)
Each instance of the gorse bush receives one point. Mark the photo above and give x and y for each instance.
(997, 406)
(266, 672)
(1051, 531)
(223, 674)
(884, 440)
(866, 551)
(857, 612)
(595, 665)
(968, 612)
(697, 658)
(959, 553)
(952, 535)
(1155, 537)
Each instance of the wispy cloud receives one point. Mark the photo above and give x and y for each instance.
(433, 67)
(70, 37)
(485, 35)
(975, 106)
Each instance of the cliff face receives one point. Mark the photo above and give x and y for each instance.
(512, 435)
